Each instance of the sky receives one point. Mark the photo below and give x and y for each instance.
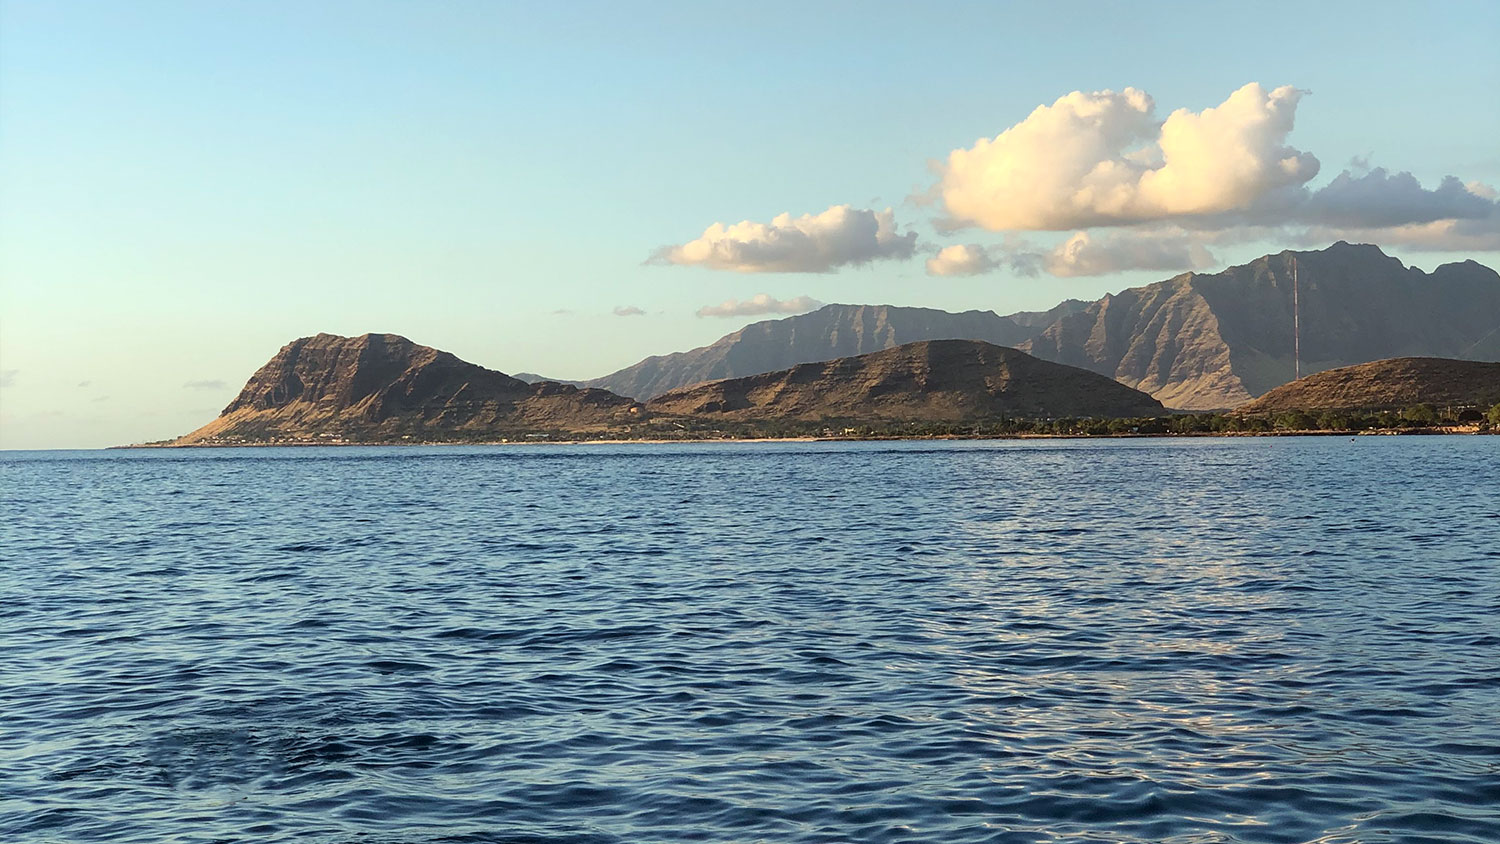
(566, 188)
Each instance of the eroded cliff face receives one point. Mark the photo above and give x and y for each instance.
(1387, 385)
(833, 331)
(384, 388)
(928, 381)
(1162, 339)
(1210, 342)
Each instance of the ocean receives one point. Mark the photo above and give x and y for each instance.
(1141, 640)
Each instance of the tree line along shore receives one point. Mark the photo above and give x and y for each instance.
(1416, 419)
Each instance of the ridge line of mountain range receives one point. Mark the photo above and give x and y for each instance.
(1196, 341)
(383, 388)
(1192, 342)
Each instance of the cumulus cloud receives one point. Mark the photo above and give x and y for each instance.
(8, 377)
(812, 243)
(1166, 188)
(961, 259)
(1483, 191)
(628, 310)
(1162, 191)
(1391, 209)
(1380, 198)
(1084, 254)
(1103, 159)
(215, 384)
(760, 303)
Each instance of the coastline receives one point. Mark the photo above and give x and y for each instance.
(1450, 430)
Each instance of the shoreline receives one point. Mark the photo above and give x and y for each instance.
(1454, 430)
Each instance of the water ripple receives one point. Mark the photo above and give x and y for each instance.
(1166, 641)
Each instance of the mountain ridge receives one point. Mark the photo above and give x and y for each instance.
(1208, 341)
(923, 381)
(830, 332)
(1196, 341)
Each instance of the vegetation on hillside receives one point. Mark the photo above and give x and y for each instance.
(1414, 419)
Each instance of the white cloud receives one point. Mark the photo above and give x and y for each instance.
(1102, 159)
(214, 384)
(1482, 190)
(819, 243)
(961, 259)
(628, 310)
(760, 303)
(1083, 254)
(1164, 190)
(1167, 188)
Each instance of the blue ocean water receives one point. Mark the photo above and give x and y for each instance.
(1195, 640)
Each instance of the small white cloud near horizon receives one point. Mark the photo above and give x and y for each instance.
(813, 243)
(211, 384)
(1086, 255)
(627, 310)
(961, 259)
(1082, 254)
(760, 304)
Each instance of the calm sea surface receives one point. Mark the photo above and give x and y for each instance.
(1259, 640)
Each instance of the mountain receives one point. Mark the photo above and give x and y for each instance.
(832, 331)
(1039, 320)
(927, 381)
(1387, 385)
(533, 378)
(1204, 342)
(385, 388)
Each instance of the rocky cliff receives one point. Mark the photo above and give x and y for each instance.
(833, 331)
(1387, 385)
(1206, 342)
(385, 388)
(929, 381)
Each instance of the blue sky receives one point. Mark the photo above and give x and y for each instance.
(185, 187)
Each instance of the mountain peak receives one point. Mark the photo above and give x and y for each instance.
(832, 331)
(381, 387)
(1228, 336)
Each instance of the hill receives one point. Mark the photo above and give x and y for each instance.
(833, 331)
(1387, 385)
(927, 381)
(1205, 342)
(385, 388)
(533, 378)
